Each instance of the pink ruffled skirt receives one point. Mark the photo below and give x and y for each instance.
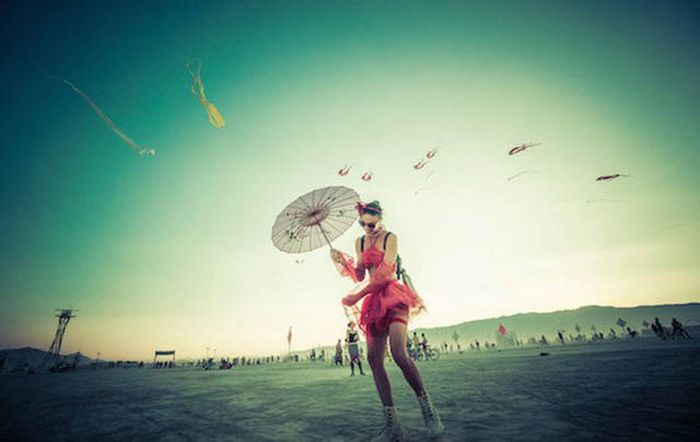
(395, 302)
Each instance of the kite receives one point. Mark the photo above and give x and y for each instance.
(428, 157)
(367, 176)
(345, 170)
(215, 118)
(522, 147)
(520, 173)
(108, 121)
(611, 177)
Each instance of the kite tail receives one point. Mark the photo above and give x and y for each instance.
(140, 150)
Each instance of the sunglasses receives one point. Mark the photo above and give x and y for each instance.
(370, 225)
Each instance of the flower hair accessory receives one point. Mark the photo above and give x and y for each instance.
(372, 208)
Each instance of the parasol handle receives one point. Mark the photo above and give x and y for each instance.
(323, 232)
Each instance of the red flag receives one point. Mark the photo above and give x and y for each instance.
(501, 330)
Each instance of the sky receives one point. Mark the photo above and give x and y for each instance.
(174, 251)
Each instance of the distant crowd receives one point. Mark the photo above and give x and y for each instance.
(348, 352)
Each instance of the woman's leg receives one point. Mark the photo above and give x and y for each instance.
(376, 346)
(397, 339)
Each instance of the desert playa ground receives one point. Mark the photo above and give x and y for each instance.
(631, 390)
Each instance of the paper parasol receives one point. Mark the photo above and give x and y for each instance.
(315, 219)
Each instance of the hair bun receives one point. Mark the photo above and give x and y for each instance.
(374, 207)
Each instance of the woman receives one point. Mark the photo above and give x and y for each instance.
(352, 338)
(386, 309)
(338, 354)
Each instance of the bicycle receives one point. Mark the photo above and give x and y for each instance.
(431, 354)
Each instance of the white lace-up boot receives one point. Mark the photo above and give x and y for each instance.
(392, 431)
(433, 422)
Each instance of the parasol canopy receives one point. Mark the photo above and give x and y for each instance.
(315, 219)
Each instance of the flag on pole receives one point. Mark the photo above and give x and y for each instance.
(501, 330)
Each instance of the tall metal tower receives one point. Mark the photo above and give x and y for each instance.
(64, 316)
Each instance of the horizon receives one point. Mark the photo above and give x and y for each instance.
(174, 250)
(330, 345)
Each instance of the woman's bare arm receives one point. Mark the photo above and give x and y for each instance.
(392, 249)
(358, 251)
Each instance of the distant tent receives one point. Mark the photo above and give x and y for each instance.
(164, 353)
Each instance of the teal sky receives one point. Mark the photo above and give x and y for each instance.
(173, 251)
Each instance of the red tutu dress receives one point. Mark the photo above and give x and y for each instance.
(387, 300)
